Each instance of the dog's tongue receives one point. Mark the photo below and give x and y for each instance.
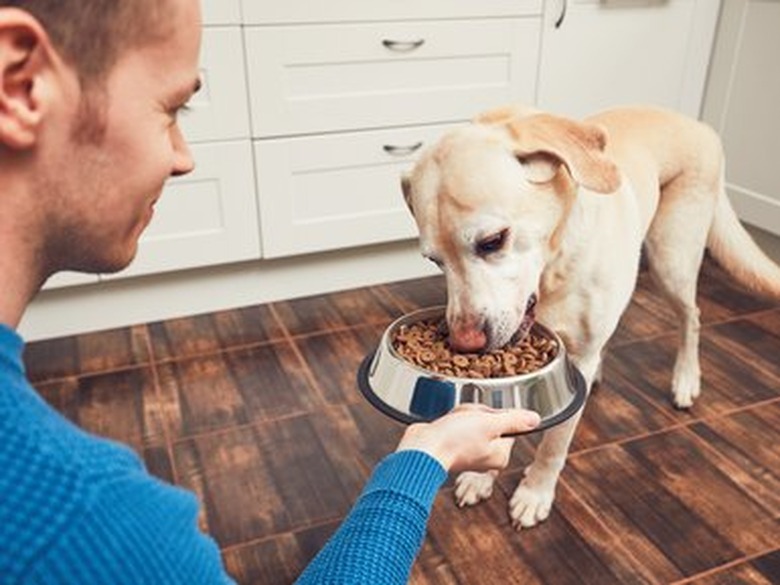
(528, 320)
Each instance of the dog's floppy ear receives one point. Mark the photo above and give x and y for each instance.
(406, 187)
(579, 146)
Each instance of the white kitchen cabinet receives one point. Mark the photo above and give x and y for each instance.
(204, 218)
(324, 78)
(743, 105)
(336, 190)
(600, 53)
(306, 11)
(341, 106)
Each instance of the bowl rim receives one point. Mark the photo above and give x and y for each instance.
(580, 394)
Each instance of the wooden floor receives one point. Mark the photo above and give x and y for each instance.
(258, 412)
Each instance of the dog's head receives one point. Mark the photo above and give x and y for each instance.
(490, 200)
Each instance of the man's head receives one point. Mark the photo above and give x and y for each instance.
(91, 34)
(89, 96)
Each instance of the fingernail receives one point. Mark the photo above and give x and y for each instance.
(531, 418)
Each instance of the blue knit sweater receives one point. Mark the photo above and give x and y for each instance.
(75, 508)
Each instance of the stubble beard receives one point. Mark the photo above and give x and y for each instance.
(77, 242)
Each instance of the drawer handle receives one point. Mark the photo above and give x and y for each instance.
(562, 15)
(402, 150)
(403, 46)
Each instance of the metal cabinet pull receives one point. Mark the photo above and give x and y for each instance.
(401, 150)
(562, 15)
(403, 46)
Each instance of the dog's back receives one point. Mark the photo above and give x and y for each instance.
(684, 157)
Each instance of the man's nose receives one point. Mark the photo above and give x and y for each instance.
(183, 162)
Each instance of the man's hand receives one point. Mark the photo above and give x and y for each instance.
(469, 438)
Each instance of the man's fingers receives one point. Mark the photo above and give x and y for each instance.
(474, 407)
(503, 421)
(502, 451)
(512, 421)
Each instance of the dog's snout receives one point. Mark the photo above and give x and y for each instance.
(468, 340)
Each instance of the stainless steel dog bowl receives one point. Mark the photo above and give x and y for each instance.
(411, 394)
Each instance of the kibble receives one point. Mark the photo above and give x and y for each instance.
(424, 344)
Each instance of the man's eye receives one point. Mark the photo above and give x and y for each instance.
(436, 261)
(492, 244)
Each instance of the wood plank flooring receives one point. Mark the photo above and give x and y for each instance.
(257, 411)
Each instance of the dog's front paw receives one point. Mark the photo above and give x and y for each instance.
(471, 488)
(686, 386)
(530, 505)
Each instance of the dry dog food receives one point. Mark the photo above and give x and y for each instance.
(424, 344)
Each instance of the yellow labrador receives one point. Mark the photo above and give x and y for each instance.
(524, 208)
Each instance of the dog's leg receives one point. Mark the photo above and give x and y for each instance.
(681, 293)
(675, 250)
(686, 378)
(532, 500)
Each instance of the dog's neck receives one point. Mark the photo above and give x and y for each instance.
(566, 250)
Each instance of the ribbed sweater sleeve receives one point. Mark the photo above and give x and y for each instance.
(380, 538)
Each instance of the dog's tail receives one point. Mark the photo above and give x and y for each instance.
(733, 248)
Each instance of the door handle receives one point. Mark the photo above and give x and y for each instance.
(562, 15)
(401, 150)
(403, 46)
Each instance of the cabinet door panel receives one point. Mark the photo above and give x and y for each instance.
(303, 11)
(327, 192)
(205, 218)
(598, 54)
(346, 77)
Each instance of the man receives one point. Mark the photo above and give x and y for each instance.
(89, 96)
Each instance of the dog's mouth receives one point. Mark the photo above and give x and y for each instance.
(493, 337)
(529, 317)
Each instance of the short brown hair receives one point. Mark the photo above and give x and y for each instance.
(92, 34)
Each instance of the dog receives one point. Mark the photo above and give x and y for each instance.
(526, 212)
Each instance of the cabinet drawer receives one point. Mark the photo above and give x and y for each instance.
(306, 79)
(204, 218)
(299, 11)
(341, 190)
(221, 12)
(219, 111)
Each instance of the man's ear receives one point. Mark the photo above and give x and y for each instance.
(24, 51)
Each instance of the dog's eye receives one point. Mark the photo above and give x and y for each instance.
(492, 243)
